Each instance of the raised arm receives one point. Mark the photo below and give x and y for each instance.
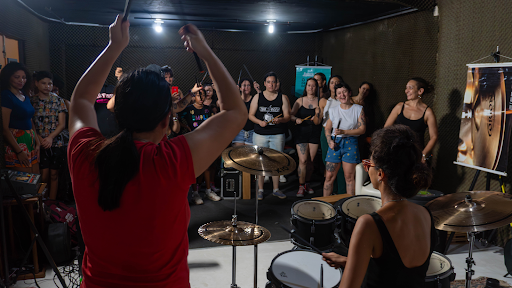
(209, 140)
(82, 113)
(393, 115)
(432, 131)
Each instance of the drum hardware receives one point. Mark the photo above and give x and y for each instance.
(471, 212)
(257, 161)
(321, 275)
(440, 271)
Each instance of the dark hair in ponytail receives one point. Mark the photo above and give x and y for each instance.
(422, 83)
(395, 150)
(143, 100)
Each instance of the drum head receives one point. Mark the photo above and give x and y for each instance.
(313, 209)
(300, 269)
(358, 206)
(439, 264)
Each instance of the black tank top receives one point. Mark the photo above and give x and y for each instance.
(249, 125)
(419, 126)
(389, 269)
(266, 111)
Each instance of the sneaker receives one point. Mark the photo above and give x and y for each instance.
(212, 195)
(197, 199)
(260, 195)
(309, 189)
(282, 179)
(301, 191)
(213, 188)
(279, 194)
(267, 179)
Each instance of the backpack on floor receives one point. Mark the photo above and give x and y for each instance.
(62, 213)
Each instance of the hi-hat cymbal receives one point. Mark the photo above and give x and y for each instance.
(473, 211)
(243, 234)
(258, 160)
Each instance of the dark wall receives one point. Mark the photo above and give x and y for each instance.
(73, 48)
(468, 31)
(32, 35)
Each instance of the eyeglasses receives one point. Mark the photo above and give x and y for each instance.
(367, 163)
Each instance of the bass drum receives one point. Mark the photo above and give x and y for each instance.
(301, 269)
(314, 221)
(351, 208)
(440, 272)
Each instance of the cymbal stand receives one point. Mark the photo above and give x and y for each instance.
(256, 246)
(469, 271)
(233, 267)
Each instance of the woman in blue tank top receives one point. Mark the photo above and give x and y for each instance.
(380, 252)
(416, 115)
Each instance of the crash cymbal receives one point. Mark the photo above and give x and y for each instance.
(473, 211)
(258, 160)
(223, 232)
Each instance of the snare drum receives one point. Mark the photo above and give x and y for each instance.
(301, 269)
(440, 272)
(351, 208)
(314, 221)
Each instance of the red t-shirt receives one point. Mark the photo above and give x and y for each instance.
(144, 242)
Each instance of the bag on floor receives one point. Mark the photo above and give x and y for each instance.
(62, 213)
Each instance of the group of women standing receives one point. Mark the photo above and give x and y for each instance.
(327, 115)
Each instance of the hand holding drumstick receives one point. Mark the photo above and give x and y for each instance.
(275, 120)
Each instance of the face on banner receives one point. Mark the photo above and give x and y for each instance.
(485, 122)
(303, 73)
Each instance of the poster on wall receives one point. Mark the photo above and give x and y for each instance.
(303, 73)
(485, 126)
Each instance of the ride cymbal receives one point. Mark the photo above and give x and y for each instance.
(257, 160)
(473, 211)
(243, 234)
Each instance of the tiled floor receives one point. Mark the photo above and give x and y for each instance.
(211, 267)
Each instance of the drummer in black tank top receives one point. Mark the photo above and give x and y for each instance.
(269, 111)
(380, 252)
(308, 120)
(416, 114)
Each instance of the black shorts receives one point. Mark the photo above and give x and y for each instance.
(308, 134)
(52, 158)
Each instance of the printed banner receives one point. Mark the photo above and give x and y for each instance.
(485, 126)
(303, 73)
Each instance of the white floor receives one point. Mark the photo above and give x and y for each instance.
(211, 267)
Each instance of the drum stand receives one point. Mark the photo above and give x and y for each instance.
(469, 271)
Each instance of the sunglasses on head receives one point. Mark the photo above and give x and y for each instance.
(367, 163)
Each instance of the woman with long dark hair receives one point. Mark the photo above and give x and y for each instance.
(366, 98)
(417, 115)
(346, 123)
(322, 81)
(21, 142)
(380, 252)
(244, 137)
(306, 115)
(131, 190)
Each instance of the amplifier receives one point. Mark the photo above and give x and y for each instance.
(231, 183)
(25, 184)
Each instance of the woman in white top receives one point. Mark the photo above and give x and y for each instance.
(346, 122)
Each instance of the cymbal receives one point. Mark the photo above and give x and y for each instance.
(473, 211)
(223, 232)
(258, 160)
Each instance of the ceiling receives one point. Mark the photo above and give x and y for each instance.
(247, 15)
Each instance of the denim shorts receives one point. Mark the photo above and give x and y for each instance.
(275, 142)
(244, 137)
(346, 150)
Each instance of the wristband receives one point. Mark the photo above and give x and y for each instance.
(18, 153)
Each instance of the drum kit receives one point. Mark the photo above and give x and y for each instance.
(319, 226)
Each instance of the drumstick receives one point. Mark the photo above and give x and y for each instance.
(322, 275)
(198, 62)
(239, 75)
(127, 7)
(274, 118)
(204, 77)
(306, 118)
(301, 240)
(249, 73)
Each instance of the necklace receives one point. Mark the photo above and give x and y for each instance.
(20, 96)
(396, 200)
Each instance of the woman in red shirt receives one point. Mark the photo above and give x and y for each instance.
(131, 190)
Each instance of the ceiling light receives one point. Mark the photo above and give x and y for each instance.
(158, 25)
(271, 26)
